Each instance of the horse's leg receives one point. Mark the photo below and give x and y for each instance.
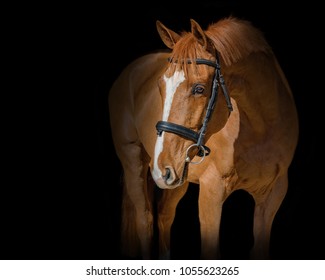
(264, 214)
(137, 217)
(166, 213)
(211, 198)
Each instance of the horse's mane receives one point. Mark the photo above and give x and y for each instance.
(236, 39)
(233, 38)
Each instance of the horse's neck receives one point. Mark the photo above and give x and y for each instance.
(254, 85)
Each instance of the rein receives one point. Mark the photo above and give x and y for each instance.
(198, 137)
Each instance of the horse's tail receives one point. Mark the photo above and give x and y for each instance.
(130, 243)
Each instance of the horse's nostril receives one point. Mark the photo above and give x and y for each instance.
(167, 174)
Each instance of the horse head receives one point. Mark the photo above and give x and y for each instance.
(189, 90)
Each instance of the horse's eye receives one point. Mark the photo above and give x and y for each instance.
(198, 89)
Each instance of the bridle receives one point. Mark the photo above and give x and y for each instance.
(198, 137)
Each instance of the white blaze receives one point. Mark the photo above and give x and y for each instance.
(172, 84)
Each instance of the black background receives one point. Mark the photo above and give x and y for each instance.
(61, 196)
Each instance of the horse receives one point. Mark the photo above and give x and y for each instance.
(214, 109)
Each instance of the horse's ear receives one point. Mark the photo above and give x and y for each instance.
(168, 36)
(199, 34)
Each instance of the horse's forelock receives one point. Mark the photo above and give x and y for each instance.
(186, 49)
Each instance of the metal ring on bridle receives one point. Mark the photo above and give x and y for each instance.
(187, 158)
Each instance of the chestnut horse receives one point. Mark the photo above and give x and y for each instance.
(215, 110)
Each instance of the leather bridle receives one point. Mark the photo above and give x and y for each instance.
(198, 137)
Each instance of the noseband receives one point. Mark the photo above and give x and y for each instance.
(198, 137)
